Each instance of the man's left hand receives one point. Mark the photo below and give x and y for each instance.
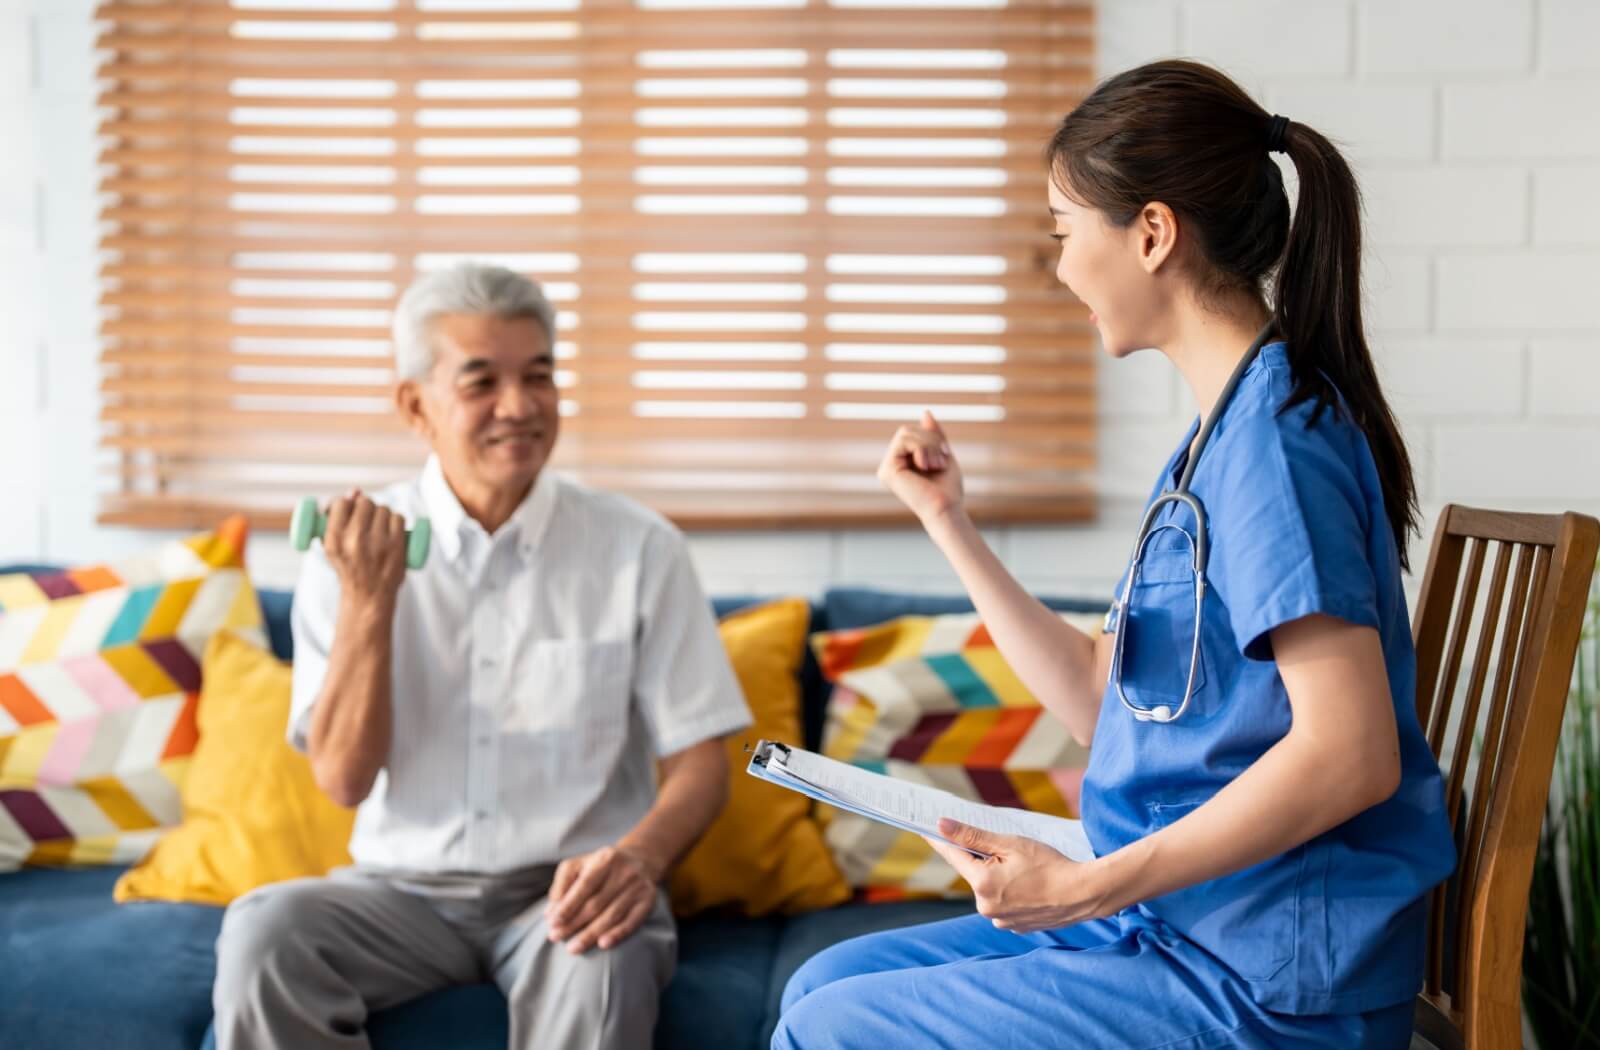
(600, 898)
(1024, 886)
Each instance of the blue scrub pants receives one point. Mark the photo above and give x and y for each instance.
(1128, 982)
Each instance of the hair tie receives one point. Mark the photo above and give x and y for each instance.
(1276, 128)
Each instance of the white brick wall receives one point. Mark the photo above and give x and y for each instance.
(1566, 208)
(1426, 38)
(1563, 375)
(1521, 117)
(1551, 290)
(1568, 30)
(1472, 124)
(1261, 39)
(1426, 204)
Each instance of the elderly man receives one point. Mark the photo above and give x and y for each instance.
(498, 716)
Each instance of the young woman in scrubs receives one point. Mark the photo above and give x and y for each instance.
(1262, 858)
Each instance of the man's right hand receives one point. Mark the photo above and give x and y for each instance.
(366, 545)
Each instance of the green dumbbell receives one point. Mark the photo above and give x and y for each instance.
(309, 524)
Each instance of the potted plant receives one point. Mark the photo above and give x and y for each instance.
(1561, 953)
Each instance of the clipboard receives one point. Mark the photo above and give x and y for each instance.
(768, 761)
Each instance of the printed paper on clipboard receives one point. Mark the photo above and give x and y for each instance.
(911, 807)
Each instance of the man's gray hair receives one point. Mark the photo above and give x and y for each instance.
(465, 288)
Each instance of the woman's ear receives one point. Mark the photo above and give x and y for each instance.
(408, 402)
(1156, 228)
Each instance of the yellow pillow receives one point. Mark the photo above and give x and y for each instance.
(252, 814)
(764, 853)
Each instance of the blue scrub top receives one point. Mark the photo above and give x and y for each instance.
(1296, 526)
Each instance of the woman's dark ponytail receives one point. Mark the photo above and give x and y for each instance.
(1317, 309)
(1184, 134)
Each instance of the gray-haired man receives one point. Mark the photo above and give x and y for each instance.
(497, 716)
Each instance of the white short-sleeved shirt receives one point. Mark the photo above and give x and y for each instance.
(538, 676)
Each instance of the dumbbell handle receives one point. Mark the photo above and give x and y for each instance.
(309, 523)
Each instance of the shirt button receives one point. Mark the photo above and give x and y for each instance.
(482, 814)
(485, 661)
(483, 739)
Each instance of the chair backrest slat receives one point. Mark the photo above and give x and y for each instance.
(1455, 772)
(1461, 627)
(1481, 662)
(1512, 652)
(1432, 618)
(1503, 744)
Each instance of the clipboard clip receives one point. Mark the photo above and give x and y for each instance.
(761, 754)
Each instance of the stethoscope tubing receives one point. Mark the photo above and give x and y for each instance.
(1200, 550)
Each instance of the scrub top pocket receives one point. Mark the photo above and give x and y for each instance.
(1159, 621)
(1253, 928)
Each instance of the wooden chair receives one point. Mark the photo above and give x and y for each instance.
(1527, 637)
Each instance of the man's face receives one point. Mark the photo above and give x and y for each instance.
(489, 407)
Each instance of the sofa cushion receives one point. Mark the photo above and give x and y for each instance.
(99, 681)
(717, 996)
(275, 607)
(77, 970)
(813, 688)
(252, 811)
(31, 568)
(806, 935)
(465, 1017)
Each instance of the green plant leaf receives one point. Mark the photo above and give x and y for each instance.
(1561, 950)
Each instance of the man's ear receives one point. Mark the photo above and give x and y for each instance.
(408, 401)
(1156, 230)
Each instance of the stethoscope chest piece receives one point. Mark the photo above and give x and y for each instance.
(1159, 713)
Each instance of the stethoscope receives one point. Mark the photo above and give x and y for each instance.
(1198, 546)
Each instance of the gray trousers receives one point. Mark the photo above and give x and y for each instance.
(301, 964)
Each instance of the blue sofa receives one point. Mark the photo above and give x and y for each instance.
(77, 970)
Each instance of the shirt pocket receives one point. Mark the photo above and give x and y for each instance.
(1159, 626)
(575, 689)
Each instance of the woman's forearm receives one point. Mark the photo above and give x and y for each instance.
(1056, 661)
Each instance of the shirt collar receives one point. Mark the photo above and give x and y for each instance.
(450, 521)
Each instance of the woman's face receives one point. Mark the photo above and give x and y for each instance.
(1107, 268)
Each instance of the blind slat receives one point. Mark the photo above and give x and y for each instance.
(1070, 58)
(1049, 369)
(335, 424)
(747, 511)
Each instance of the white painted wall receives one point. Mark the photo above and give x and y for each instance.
(1472, 124)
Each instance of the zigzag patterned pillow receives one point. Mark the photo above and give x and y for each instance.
(99, 678)
(930, 699)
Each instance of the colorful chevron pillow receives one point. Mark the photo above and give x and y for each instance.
(930, 699)
(99, 679)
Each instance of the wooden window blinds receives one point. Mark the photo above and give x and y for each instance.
(774, 229)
